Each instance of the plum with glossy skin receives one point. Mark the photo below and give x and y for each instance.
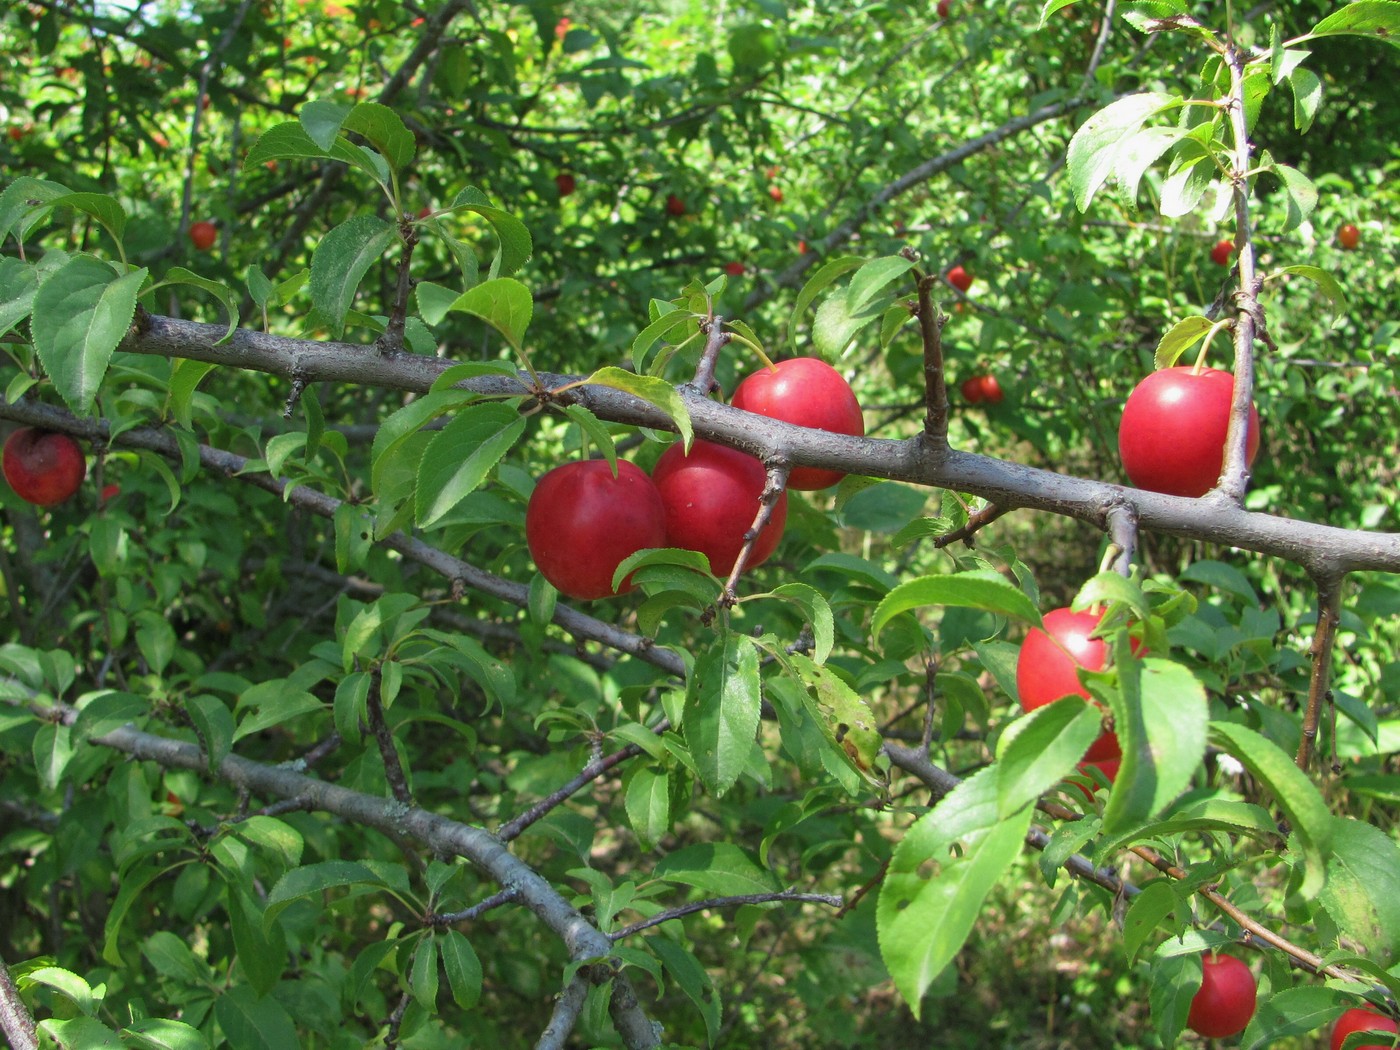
(711, 499)
(44, 468)
(581, 523)
(1225, 1002)
(1172, 434)
(807, 392)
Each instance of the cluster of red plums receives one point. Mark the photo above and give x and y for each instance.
(583, 520)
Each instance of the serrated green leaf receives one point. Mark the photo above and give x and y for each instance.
(322, 120)
(1377, 19)
(80, 314)
(1307, 97)
(18, 215)
(1145, 914)
(341, 261)
(106, 210)
(1362, 893)
(1041, 748)
(384, 130)
(464, 975)
(870, 280)
(250, 1023)
(692, 979)
(1160, 714)
(18, 283)
(503, 303)
(844, 718)
(1181, 337)
(816, 284)
(818, 611)
(722, 701)
(459, 457)
(219, 290)
(648, 801)
(213, 721)
(516, 245)
(1294, 792)
(653, 391)
(836, 325)
(978, 589)
(1327, 284)
(312, 880)
(405, 423)
(1301, 195)
(1095, 149)
(261, 948)
(159, 1033)
(105, 712)
(938, 877)
(716, 869)
(1289, 1012)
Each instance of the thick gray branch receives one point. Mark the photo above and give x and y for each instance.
(1321, 549)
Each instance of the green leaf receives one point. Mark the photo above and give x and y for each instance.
(516, 246)
(80, 315)
(184, 383)
(977, 589)
(464, 975)
(250, 1023)
(1161, 714)
(341, 261)
(1294, 792)
(649, 805)
(1379, 19)
(653, 391)
(290, 140)
(1041, 748)
(816, 284)
(423, 974)
(19, 213)
(273, 703)
(81, 1033)
(662, 328)
(938, 877)
(219, 290)
(106, 711)
(1301, 194)
(459, 457)
(1362, 893)
(687, 972)
(1326, 283)
(315, 879)
(106, 210)
(716, 869)
(1181, 337)
(503, 303)
(836, 325)
(1175, 981)
(818, 610)
(872, 278)
(1290, 1012)
(322, 120)
(721, 710)
(261, 947)
(1307, 97)
(53, 750)
(842, 715)
(1156, 902)
(405, 423)
(158, 1033)
(1106, 137)
(18, 283)
(68, 984)
(385, 131)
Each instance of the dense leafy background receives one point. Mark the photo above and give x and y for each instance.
(199, 601)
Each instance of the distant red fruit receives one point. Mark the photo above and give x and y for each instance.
(776, 193)
(203, 235)
(566, 183)
(1220, 254)
(674, 205)
(960, 278)
(561, 28)
(1349, 237)
(109, 492)
(972, 389)
(991, 390)
(734, 269)
(801, 247)
(943, 8)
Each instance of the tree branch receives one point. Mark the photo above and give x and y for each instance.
(724, 902)
(1329, 617)
(15, 1019)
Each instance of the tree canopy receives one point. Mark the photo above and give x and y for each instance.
(313, 729)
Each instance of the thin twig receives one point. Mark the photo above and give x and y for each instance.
(496, 900)
(384, 738)
(1329, 617)
(773, 491)
(976, 521)
(931, 320)
(724, 902)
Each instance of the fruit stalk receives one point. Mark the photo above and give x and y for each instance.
(772, 492)
(1329, 617)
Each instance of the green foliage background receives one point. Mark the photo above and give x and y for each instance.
(201, 603)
